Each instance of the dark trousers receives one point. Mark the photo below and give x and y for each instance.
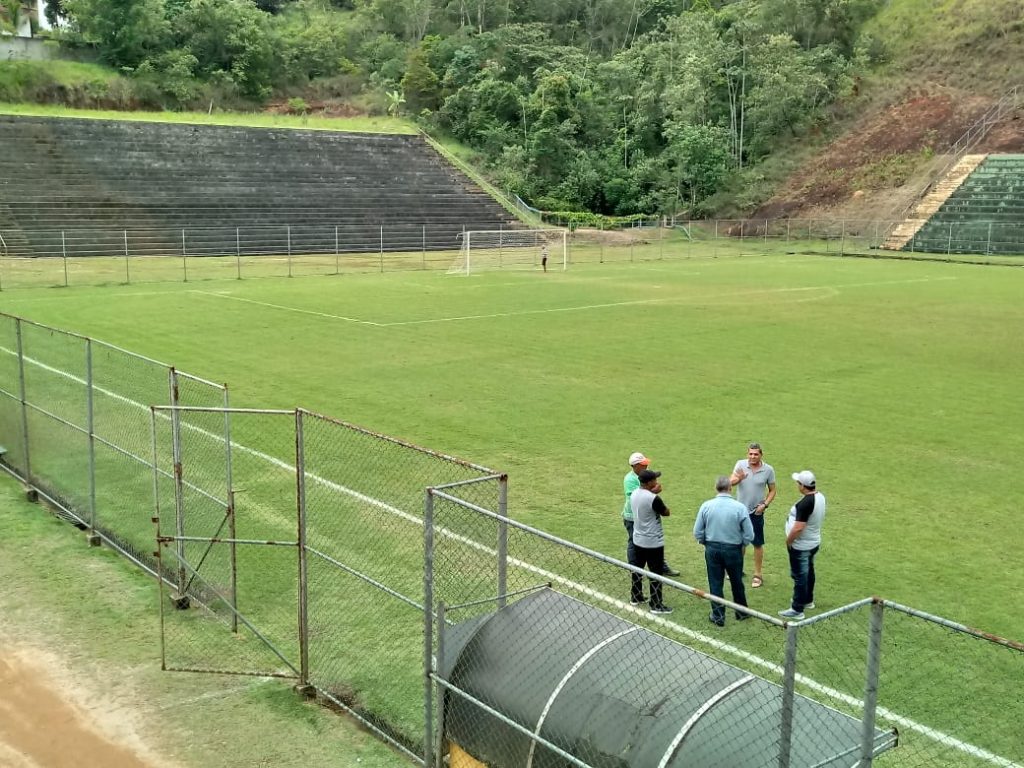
(631, 548)
(801, 569)
(721, 559)
(654, 559)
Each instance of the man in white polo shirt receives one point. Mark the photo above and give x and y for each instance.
(803, 540)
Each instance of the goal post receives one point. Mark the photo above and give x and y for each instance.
(512, 249)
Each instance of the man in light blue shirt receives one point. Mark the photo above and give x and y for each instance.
(723, 526)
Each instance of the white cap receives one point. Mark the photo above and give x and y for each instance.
(638, 458)
(805, 478)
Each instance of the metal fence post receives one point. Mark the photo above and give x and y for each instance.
(238, 252)
(766, 231)
(874, 663)
(428, 626)
(64, 255)
(289, 233)
(502, 540)
(441, 631)
(787, 231)
(179, 505)
(949, 241)
(337, 255)
(988, 246)
(661, 242)
(842, 240)
(184, 259)
(90, 428)
(382, 248)
(300, 496)
(423, 248)
(24, 400)
(788, 696)
(127, 274)
(232, 527)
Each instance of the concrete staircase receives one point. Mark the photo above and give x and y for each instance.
(930, 204)
(985, 215)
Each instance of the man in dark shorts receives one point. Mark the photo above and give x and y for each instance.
(756, 481)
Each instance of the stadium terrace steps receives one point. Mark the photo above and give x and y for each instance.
(984, 214)
(904, 232)
(68, 181)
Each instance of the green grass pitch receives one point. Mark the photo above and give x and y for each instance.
(896, 382)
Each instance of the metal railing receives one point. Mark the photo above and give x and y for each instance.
(970, 139)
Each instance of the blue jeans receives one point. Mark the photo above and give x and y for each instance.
(721, 559)
(801, 570)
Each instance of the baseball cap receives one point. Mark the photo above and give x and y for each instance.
(646, 475)
(638, 458)
(805, 478)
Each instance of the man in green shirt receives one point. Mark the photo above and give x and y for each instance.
(637, 463)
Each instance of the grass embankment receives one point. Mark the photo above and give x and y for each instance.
(973, 45)
(99, 614)
(248, 119)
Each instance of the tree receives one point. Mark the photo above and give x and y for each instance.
(231, 36)
(125, 32)
(421, 85)
(698, 161)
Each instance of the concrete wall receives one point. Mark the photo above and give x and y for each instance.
(25, 49)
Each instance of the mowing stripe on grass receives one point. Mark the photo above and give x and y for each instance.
(931, 733)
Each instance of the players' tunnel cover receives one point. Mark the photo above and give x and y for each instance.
(615, 695)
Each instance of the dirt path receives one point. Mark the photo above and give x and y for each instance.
(49, 719)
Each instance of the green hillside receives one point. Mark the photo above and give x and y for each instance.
(691, 107)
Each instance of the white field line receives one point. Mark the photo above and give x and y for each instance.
(555, 578)
(285, 308)
(833, 289)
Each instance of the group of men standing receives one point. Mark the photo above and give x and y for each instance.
(725, 526)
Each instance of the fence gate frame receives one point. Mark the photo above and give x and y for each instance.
(178, 577)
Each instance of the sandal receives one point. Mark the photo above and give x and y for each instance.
(756, 582)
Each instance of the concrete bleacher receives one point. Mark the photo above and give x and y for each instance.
(85, 187)
(984, 215)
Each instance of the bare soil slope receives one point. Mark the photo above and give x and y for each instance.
(949, 62)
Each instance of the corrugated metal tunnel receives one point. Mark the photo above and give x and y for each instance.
(618, 696)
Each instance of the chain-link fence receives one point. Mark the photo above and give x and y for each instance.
(75, 422)
(541, 657)
(92, 257)
(306, 545)
(295, 545)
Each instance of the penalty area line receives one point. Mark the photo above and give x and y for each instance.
(286, 308)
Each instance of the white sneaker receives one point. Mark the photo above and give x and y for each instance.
(809, 607)
(789, 613)
(661, 609)
(637, 602)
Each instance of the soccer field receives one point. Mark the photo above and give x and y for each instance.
(898, 383)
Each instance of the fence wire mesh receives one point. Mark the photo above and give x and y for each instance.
(93, 257)
(83, 435)
(292, 544)
(523, 678)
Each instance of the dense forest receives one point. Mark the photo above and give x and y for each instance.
(611, 106)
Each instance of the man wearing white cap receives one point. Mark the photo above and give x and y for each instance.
(637, 463)
(803, 540)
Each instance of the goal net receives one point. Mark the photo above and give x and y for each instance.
(511, 249)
